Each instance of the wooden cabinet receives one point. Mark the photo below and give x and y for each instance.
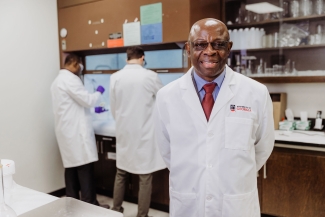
(294, 185)
(86, 26)
(105, 167)
(90, 24)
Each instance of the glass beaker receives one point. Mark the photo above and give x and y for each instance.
(306, 7)
(294, 8)
(319, 7)
(5, 210)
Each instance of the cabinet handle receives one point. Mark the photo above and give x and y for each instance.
(101, 147)
(264, 171)
(108, 139)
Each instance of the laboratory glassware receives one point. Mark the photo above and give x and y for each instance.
(319, 7)
(294, 8)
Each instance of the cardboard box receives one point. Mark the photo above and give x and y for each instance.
(279, 101)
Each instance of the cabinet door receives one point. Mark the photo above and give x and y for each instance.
(85, 25)
(294, 186)
(160, 187)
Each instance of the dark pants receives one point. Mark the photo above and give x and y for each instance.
(144, 197)
(81, 179)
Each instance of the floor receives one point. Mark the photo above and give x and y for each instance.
(130, 209)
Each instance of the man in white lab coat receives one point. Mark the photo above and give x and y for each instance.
(74, 131)
(215, 131)
(132, 97)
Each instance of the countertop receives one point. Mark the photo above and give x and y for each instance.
(104, 128)
(24, 200)
(308, 137)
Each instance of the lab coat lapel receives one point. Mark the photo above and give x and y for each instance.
(225, 93)
(190, 97)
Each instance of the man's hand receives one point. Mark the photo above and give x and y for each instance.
(100, 109)
(100, 89)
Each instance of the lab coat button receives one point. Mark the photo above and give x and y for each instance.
(209, 197)
(210, 134)
(209, 166)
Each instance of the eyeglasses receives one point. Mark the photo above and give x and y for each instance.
(216, 45)
(144, 62)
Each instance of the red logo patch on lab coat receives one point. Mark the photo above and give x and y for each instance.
(244, 108)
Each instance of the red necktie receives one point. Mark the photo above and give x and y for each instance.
(208, 101)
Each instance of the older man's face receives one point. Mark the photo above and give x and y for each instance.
(209, 47)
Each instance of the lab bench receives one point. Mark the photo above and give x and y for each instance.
(290, 184)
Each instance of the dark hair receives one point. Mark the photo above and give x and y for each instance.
(135, 52)
(71, 58)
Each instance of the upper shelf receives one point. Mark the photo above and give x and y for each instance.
(277, 21)
(146, 47)
(283, 48)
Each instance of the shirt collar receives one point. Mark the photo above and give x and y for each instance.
(133, 66)
(200, 82)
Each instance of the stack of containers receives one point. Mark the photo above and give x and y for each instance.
(246, 38)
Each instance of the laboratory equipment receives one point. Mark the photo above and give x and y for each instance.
(260, 68)
(306, 7)
(238, 67)
(287, 67)
(303, 116)
(5, 210)
(319, 7)
(293, 69)
(318, 121)
(319, 34)
(285, 7)
(294, 8)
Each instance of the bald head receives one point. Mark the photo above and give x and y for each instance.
(208, 47)
(209, 24)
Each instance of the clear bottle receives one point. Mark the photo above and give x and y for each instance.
(293, 69)
(5, 210)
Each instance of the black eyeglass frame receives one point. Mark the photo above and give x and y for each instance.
(205, 44)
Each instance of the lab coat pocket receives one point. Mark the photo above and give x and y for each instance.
(238, 132)
(241, 205)
(183, 204)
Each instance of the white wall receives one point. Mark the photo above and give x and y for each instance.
(29, 62)
(302, 97)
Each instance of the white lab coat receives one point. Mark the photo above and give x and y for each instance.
(73, 123)
(132, 97)
(213, 164)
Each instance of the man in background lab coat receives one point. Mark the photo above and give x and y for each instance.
(132, 97)
(215, 131)
(74, 131)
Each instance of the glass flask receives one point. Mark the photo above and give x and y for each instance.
(5, 210)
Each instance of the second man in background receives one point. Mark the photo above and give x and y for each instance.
(132, 97)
